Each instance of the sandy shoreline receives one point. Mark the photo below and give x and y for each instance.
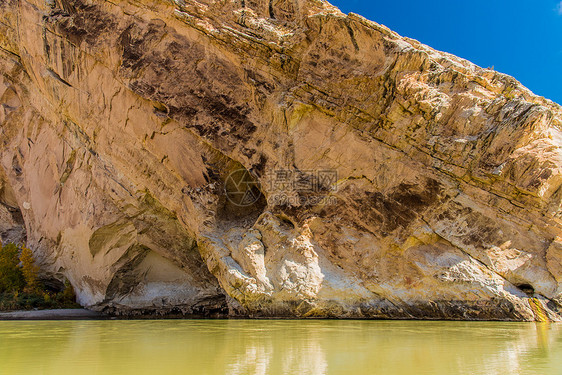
(57, 314)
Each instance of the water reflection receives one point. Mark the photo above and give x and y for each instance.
(279, 347)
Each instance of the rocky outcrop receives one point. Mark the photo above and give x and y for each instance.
(273, 158)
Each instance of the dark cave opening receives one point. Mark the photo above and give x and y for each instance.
(526, 288)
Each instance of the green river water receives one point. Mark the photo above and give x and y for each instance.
(251, 347)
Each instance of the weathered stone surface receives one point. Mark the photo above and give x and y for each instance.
(121, 122)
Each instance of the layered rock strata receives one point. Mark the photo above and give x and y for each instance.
(380, 178)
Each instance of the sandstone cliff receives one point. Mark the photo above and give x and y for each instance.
(382, 178)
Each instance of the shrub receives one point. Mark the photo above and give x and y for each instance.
(20, 287)
(11, 276)
(29, 269)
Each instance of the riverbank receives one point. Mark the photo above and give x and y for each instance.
(54, 314)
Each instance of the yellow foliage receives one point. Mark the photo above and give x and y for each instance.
(11, 277)
(29, 269)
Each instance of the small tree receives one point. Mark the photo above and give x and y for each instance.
(29, 269)
(11, 277)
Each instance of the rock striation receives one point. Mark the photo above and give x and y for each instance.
(273, 158)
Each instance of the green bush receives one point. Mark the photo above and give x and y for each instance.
(11, 276)
(20, 288)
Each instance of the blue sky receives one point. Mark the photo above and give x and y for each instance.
(522, 38)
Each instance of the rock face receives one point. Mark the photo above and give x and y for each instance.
(273, 158)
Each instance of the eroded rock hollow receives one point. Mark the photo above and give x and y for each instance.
(272, 158)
